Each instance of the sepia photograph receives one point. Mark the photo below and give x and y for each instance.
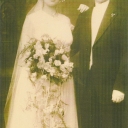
(63, 64)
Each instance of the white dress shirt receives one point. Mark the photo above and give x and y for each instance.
(96, 19)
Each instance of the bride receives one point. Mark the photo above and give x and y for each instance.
(25, 106)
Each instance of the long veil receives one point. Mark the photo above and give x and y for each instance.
(38, 6)
(8, 111)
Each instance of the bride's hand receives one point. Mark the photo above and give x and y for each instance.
(82, 8)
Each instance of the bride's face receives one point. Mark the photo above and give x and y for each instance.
(51, 2)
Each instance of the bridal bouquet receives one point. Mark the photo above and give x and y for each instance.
(48, 60)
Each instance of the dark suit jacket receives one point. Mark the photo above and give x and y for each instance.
(109, 52)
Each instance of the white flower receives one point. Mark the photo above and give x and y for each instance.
(38, 45)
(67, 49)
(44, 51)
(50, 59)
(47, 66)
(62, 68)
(57, 52)
(64, 57)
(61, 51)
(46, 45)
(71, 64)
(68, 64)
(40, 52)
(41, 59)
(44, 77)
(57, 62)
(35, 56)
(51, 71)
(64, 76)
(40, 65)
(69, 69)
(45, 38)
(30, 59)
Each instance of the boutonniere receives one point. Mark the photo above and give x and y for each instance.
(113, 14)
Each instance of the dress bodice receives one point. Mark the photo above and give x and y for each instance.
(39, 23)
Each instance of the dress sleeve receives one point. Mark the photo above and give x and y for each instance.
(72, 27)
(70, 24)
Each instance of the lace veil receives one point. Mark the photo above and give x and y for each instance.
(16, 71)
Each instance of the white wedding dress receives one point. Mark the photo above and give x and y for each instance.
(18, 112)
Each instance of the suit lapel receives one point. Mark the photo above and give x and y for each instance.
(108, 18)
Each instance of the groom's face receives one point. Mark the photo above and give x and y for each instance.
(100, 1)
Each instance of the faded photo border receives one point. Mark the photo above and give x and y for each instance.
(12, 15)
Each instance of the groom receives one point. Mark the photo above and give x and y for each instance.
(99, 55)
